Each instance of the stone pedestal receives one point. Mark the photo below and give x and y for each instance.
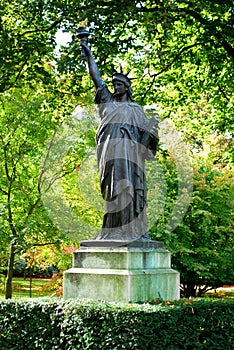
(121, 272)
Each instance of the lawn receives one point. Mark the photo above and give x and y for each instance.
(223, 292)
(21, 288)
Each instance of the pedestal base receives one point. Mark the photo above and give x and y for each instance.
(122, 274)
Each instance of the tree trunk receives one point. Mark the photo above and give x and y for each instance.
(188, 290)
(30, 281)
(8, 293)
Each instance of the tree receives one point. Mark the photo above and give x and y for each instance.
(34, 102)
(202, 244)
(26, 122)
(27, 42)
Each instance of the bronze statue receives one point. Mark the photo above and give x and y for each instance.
(125, 139)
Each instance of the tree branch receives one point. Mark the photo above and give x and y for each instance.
(212, 30)
(44, 244)
(207, 24)
(168, 66)
(46, 30)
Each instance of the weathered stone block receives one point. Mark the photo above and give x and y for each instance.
(121, 274)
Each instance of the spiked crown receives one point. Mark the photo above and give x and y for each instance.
(120, 76)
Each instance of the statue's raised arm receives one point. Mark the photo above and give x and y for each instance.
(93, 68)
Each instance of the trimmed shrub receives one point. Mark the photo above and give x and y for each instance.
(83, 324)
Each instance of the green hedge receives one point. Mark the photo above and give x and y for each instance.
(70, 325)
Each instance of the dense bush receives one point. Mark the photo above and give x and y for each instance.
(70, 325)
(21, 269)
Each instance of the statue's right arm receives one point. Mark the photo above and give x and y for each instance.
(93, 68)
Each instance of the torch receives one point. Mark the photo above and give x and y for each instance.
(83, 35)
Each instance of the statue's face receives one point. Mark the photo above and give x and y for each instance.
(119, 88)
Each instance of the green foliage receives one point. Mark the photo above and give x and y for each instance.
(70, 182)
(22, 138)
(202, 244)
(87, 325)
(22, 270)
(27, 42)
(27, 120)
(41, 323)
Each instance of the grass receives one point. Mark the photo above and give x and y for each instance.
(222, 293)
(21, 288)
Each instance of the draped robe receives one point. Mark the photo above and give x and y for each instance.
(123, 143)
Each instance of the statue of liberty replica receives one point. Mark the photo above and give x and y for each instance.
(125, 139)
